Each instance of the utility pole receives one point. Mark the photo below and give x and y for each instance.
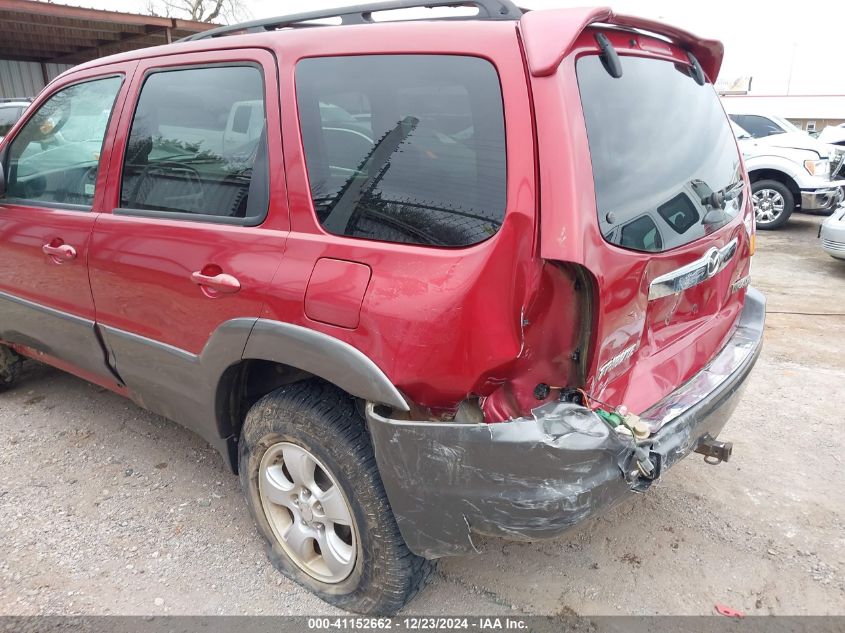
(791, 64)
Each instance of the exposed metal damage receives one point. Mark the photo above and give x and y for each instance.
(536, 476)
(529, 478)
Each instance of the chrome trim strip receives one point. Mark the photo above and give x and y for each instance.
(167, 348)
(46, 309)
(65, 336)
(731, 359)
(680, 279)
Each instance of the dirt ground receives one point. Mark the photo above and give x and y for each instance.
(105, 508)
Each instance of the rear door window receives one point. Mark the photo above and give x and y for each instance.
(404, 148)
(198, 145)
(660, 146)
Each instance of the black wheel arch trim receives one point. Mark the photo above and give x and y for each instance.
(325, 356)
(185, 387)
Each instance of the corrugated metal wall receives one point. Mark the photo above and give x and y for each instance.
(25, 79)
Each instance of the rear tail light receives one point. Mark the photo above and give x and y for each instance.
(750, 227)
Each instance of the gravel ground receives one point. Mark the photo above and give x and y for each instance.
(105, 508)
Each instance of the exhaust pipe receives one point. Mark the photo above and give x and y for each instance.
(714, 451)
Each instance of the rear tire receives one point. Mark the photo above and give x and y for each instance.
(11, 364)
(773, 204)
(316, 424)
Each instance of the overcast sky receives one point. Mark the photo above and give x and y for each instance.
(762, 39)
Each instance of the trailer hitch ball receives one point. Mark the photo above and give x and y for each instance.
(714, 451)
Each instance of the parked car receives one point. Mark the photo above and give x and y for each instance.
(833, 134)
(832, 234)
(776, 131)
(798, 173)
(763, 125)
(10, 111)
(518, 300)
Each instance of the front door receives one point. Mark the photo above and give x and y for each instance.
(54, 176)
(179, 266)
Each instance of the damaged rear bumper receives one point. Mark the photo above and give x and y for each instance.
(537, 476)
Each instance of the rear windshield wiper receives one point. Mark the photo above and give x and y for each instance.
(717, 199)
(369, 172)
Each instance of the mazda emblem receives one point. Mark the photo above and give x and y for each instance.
(713, 259)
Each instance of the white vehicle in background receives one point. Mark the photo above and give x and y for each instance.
(832, 234)
(833, 134)
(789, 170)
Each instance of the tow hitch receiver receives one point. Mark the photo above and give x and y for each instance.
(714, 451)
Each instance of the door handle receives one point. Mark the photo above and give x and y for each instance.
(220, 283)
(59, 253)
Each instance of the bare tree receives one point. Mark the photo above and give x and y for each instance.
(226, 11)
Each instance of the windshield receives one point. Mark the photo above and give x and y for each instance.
(739, 132)
(661, 146)
(787, 125)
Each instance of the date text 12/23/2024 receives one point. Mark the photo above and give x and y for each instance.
(419, 623)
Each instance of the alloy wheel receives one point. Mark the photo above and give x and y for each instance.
(768, 205)
(308, 512)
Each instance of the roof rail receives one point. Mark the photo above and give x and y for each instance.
(363, 14)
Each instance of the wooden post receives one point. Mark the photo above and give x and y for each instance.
(45, 76)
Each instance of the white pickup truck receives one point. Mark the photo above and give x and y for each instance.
(789, 170)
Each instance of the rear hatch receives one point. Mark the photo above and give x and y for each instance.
(666, 234)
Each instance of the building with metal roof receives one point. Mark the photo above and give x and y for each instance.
(40, 40)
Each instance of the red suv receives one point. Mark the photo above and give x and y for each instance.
(417, 281)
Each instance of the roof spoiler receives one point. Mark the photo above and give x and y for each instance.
(549, 36)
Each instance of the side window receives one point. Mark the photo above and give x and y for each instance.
(758, 126)
(404, 148)
(642, 234)
(198, 145)
(54, 157)
(680, 212)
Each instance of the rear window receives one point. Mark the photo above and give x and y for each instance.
(660, 146)
(404, 148)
